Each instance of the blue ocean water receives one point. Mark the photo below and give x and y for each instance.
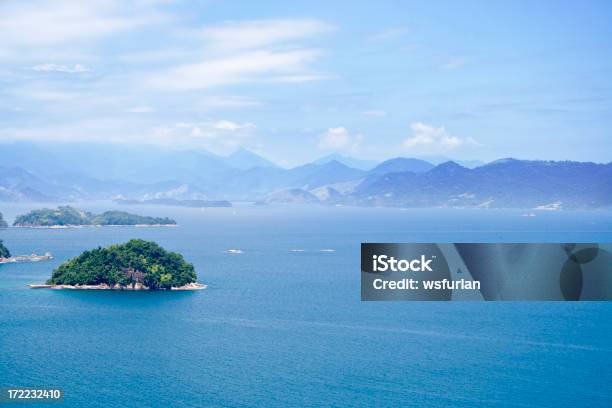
(282, 323)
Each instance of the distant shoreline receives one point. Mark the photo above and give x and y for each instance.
(104, 286)
(92, 225)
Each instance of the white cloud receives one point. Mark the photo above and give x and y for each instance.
(243, 35)
(430, 138)
(339, 139)
(137, 56)
(374, 112)
(246, 51)
(48, 67)
(232, 126)
(221, 137)
(48, 23)
(255, 66)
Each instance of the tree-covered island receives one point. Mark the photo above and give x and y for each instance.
(65, 216)
(3, 223)
(136, 264)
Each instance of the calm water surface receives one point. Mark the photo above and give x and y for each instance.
(279, 327)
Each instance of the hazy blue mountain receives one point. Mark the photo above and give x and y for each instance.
(257, 182)
(311, 176)
(439, 159)
(360, 164)
(293, 196)
(189, 167)
(73, 172)
(17, 184)
(79, 171)
(400, 164)
(153, 165)
(125, 162)
(504, 183)
(246, 159)
(253, 183)
(36, 159)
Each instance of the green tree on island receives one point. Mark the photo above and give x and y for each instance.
(125, 264)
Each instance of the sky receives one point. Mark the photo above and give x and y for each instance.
(297, 80)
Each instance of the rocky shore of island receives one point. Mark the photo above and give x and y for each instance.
(104, 286)
(26, 258)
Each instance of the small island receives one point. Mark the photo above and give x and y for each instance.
(66, 216)
(3, 223)
(6, 257)
(4, 252)
(135, 265)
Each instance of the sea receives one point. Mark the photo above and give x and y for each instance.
(281, 322)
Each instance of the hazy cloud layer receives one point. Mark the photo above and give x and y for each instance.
(71, 38)
(219, 75)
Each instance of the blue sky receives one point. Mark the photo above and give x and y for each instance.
(298, 80)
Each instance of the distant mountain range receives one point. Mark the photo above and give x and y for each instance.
(245, 159)
(503, 183)
(74, 172)
(402, 164)
(347, 161)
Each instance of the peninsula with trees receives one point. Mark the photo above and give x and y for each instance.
(135, 265)
(66, 216)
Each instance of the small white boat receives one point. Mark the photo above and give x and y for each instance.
(234, 251)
